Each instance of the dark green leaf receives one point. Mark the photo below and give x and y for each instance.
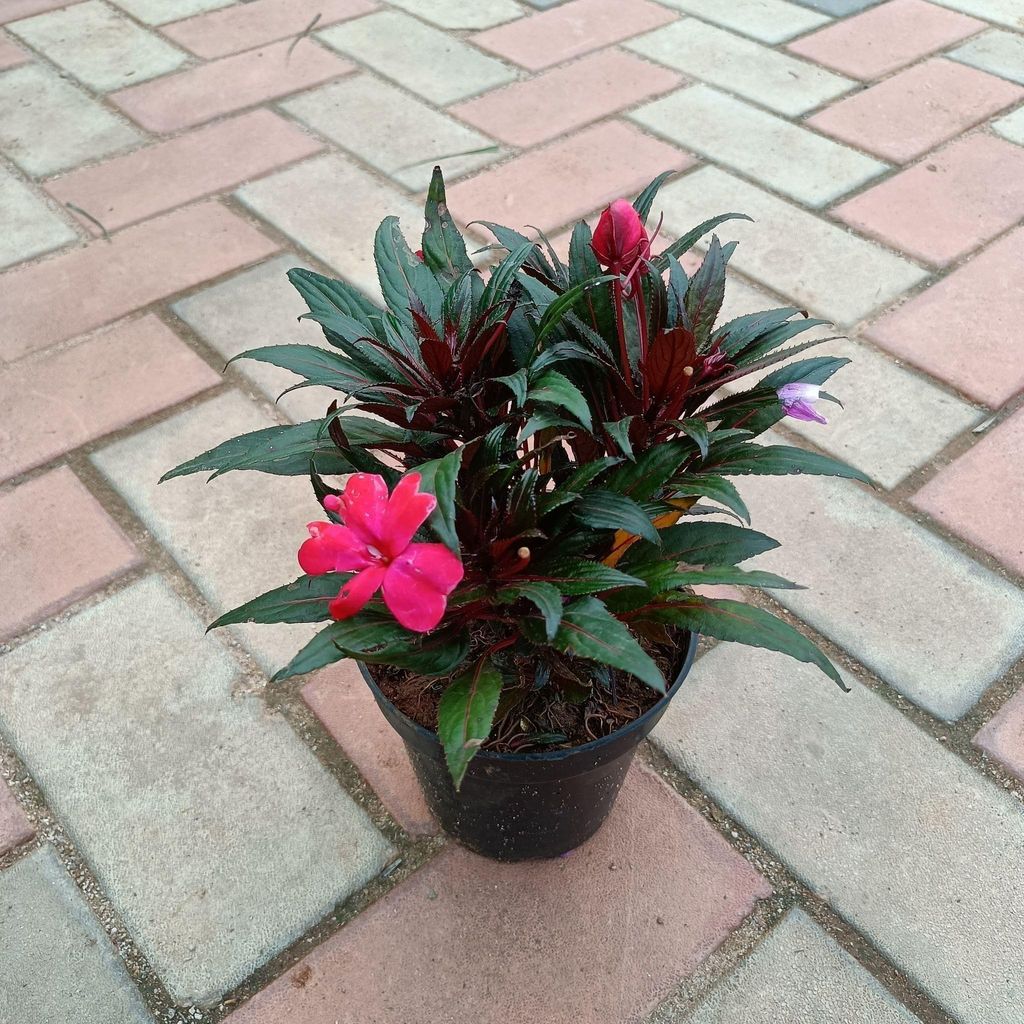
(561, 306)
(504, 275)
(305, 600)
(358, 635)
(714, 487)
(404, 277)
(643, 202)
(644, 479)
(444, 250)
(466, 713)
(781, 460)
(707, 544)
(545, 596)
(705, 294)
(608, 510)
(439, 478)
(697, 431)
(555, 389)
(316, 365)
(691, 238)
(324, 296)
(575, 577)
(517, 384)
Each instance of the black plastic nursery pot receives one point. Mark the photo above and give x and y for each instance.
(527, 806)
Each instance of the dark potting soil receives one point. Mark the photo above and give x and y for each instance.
(541, 720)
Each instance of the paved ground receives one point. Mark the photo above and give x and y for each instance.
(178, 842)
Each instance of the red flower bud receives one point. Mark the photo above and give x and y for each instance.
(620, 241)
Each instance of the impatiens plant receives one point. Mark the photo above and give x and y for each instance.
(539, 461)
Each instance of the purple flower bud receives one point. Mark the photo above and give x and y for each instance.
(797, 401)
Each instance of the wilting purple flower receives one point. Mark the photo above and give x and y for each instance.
(797, 401)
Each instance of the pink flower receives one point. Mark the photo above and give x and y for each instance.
(797, 401)
(620, 241)
(375, 543)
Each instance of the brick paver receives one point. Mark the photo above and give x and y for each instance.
(340, 698)
(76, 563)
(219, 143)
(903, 838)
(885, 38)
(915, 110)
(210, 159)
(980, 494)
(71, 396)
(467, 906)
(65, 969)
(217, 821)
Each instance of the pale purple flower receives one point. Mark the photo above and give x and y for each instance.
(797, 401)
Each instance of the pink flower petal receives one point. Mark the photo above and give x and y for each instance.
(418, 583)
(354, 594)
(407, 511)
(363, 504)
(332, 548)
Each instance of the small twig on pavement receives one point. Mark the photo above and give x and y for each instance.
(90, 217)
(302, 35)
(449, 156)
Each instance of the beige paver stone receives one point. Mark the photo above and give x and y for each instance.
(212, 827)
(930, 621)
(64, 969)
(159, 12)
(255, 308)
(77, 128)
(558, 101)
(770, 21)
(44, 569)
(391, 130)
(30, 225)
(571, 30)
(459, 14)
(798, 973)
(437, 66)
(1001, 53)
(893, 420)
(99, 45)
(213, 158)
(742, 66)
(332, 208)
(1012, 126)
(1003, 12)
(60, 400)
(918, 851)
(917, 109)
(817, 264)
(237, 536)
(775, 152)
(670, 866)
(75, 292)
(13, 10)
(885, 38)
(980, 495)
(258, 22)
(223, 86)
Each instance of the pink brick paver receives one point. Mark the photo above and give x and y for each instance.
(917, 109)
(65, 399)
(946, 205)
(77, 561)
(885, 38)
(597, 165)
(597, 937)
(340, 698)
(575, 28)
(15, 828)
(210, 159)
(231, 83)
(980, 496)
(565, 98)
(10, 55)
(72, 293)
(1002, 736)
(246, 25)
(965, 329)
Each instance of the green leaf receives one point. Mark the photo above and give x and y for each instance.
(440, 478)
(745, 624)
(561, 306)
(782, 460)
(714, 487)
(542, 420)
(619, 433)
(575, 577)
(404, 277)
(517, 384)
(435, 655)
(466, 713)
(726, 575)
(545, 596)
(705, 294)
(555, 389)
(591, 631)
(608, 510)
(512, 240)
(354, 637)
(691, 238)
(316, 365)
(707, 544)
(643, 479)
(736, 334)
(325, 296)
(504, 274)
(697, 431)
(584, 475)
(305, 600)
(281, 451)
(444, 250)
(643, 202)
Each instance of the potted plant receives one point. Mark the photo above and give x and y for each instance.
(537, 460)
